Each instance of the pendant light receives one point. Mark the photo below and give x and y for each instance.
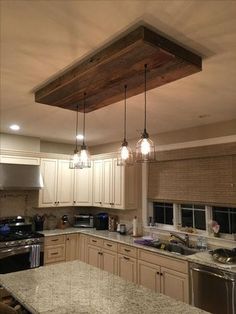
(85, 158)
(125, 155)
(75, 158)
(145, 148)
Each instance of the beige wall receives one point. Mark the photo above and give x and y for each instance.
(215, 133)
(19, 142)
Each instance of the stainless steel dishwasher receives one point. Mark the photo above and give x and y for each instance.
(213, 290)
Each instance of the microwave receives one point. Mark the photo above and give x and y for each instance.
(84, 221)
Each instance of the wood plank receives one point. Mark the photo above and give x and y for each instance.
(103, 75)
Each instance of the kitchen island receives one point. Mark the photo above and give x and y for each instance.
(75, 287)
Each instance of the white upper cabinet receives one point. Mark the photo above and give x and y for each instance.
(58, 183)
(65, 184)
(114, 186)
(97, 182)
(83, 187)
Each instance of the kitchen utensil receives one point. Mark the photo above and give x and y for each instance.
(38, 221)
(224, 256)
(112, 223)
(51, 222)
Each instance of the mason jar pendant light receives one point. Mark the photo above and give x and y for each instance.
(74, 159)
(85, 158)
(145, 148)
(125, 155)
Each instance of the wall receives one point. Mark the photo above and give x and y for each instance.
(19, 142)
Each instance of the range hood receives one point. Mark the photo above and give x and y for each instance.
(20, 177)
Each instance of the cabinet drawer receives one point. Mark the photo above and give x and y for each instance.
(55, 253)
(171, 263)
(95, 241)
(109, 245)
(127, 250)
(54, 240)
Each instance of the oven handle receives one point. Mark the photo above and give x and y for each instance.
(14, 251)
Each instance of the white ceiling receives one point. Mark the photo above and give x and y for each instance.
(41, 38)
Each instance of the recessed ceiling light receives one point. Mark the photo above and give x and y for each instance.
(14, 127)
(80, 137)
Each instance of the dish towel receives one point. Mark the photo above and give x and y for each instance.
(34, 256)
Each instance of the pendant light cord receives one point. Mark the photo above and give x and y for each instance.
(84, 121)
(76, 129)
(145, 98)
(125, 115)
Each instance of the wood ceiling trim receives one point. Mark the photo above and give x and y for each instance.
(103, 75)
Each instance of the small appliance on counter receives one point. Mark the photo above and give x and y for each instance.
(101, 221)
(38, 222)
(64, 222)
(123, 229)
(84, 221)
(112, 223)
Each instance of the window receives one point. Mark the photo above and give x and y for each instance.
(163, 213)
(193, 216)
(226, 218)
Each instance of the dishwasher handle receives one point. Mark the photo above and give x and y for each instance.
(212, 274)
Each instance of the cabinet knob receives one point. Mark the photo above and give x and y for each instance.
(74, 202)
(100, 203)
(158, 273)
(161, 274)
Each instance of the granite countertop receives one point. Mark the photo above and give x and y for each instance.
(202, 257)
(75, 287)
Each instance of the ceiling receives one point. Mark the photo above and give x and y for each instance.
(41, 38)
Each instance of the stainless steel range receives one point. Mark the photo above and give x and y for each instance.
(20, 247)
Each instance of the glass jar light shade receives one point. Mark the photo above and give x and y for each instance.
(85, 158)
(125, 155)
(145, 149)
(74, 160)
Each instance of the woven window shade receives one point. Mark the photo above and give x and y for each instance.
(208, 180)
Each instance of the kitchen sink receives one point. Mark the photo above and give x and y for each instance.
(177, 248)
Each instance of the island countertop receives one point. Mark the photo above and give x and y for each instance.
(75, 287)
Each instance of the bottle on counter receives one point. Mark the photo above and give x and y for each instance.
(135, 226)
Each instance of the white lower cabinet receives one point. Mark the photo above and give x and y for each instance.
(171, 280)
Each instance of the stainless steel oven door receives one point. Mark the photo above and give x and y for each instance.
(17, 258)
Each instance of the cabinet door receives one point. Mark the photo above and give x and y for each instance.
(149, 276)
(94, 256)
(83, 187)
(97, 182)
(82, 247)
(118, 185)
(109, 261)
(174, 284)
(127, 268)
(71, 247)
(65, 184)
(47, 195)
(107, 200)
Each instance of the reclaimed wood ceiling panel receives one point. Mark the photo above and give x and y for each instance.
(103, 75)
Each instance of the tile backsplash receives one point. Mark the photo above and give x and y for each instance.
(24, 203)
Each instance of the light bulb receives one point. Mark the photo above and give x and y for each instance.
(145, 146)
(83, 155)
(124, 153)
(76, 158)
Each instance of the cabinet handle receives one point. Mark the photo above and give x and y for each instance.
(110, 245)
(126, 258)
(54, 240)
(126, 250)
(67, 239)
(56, 253)
(95, 241)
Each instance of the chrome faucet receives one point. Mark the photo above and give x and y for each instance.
(184, 240)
